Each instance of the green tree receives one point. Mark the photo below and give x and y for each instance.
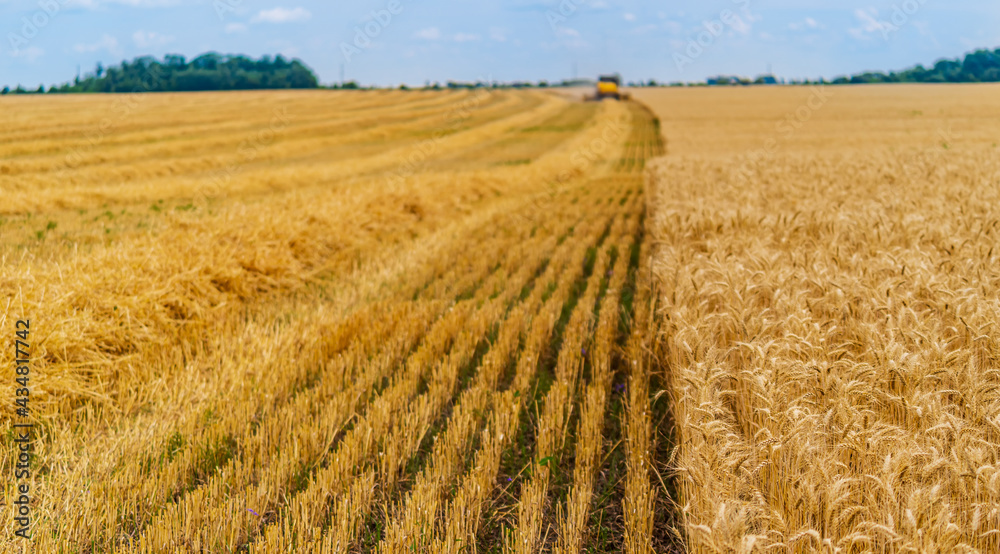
(209, 71)
(979, 66)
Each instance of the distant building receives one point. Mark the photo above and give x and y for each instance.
(730, 80)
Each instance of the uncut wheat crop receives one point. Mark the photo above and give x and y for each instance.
(384, 321)
(827, 299)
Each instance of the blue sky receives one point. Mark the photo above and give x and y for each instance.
(44, 41)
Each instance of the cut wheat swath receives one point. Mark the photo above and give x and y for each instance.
(336, 346)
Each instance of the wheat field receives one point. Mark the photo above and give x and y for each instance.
(826, 287)
(332, 322)
(738, 320)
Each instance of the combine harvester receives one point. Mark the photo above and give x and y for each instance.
(608, 86)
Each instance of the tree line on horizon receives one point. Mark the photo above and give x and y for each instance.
(213, 71)
(981, 66)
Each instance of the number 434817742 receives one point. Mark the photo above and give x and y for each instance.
(22, 348)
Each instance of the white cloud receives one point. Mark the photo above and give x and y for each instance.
(498, 34)
(283, 47)
(740, 26)
(806, 24)
(869, 25)
(282, 15)
(236, 28)
(568, 38)
(465, 37)
(148, 39)
(107, 42)
(101, 4)
(647, 28)
(925, 31)
(430, 33)
(30, 53)
(629, 17)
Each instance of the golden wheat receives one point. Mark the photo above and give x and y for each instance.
(827, 308)
(318, 322)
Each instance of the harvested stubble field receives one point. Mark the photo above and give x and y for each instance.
(332, 322)
(828, 307)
